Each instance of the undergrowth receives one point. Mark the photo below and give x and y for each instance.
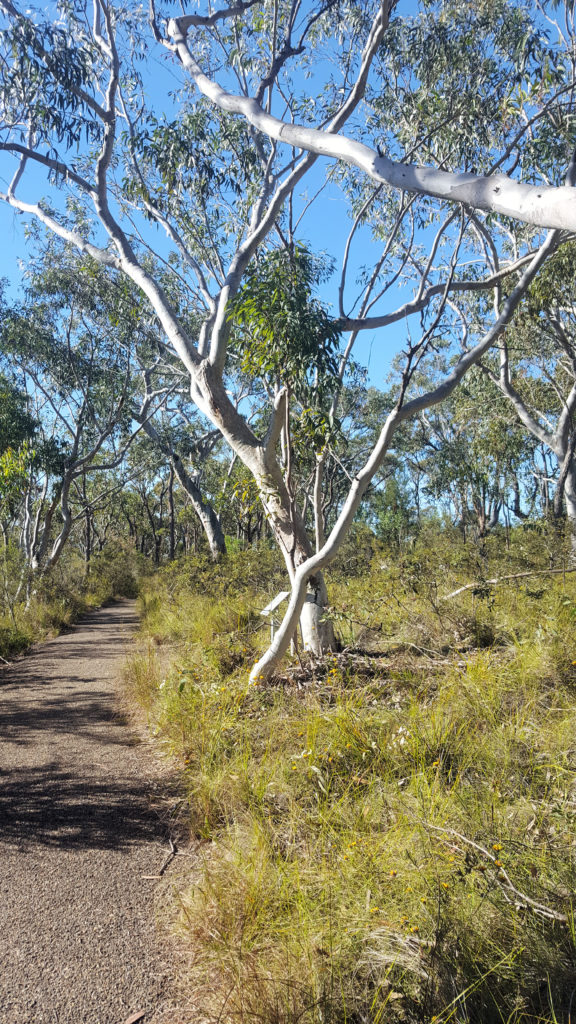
(386, 836)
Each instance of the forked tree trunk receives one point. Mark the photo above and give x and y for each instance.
(290, 533)
(317, 630)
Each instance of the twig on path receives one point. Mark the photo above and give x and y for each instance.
(135, 1017)
(169, 859)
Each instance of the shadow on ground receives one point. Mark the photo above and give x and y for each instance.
(48, 806)
(65, 780)
(84, 713)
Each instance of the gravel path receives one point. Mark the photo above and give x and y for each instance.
(78, 941)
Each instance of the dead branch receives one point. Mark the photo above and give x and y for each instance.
(502, 579)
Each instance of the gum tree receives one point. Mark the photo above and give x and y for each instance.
(429, 129)
(535, 371)
(110, 307)
(78, 386)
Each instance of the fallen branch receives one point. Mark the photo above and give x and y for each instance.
(503, 579)
(169, 858)
(502, 878)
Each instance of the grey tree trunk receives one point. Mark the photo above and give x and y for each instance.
(203, 509)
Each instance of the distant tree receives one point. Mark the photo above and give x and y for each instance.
(78, 386)
(474, 454)
(536, 373)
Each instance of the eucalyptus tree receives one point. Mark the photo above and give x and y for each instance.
(78, 386)
(474, 456)
(115, 311)
(429, 129)
(18, 430)
(535, 371)
(17, 434)
(176, 435)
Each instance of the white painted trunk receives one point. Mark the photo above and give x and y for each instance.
(570, 499)
(317, 631)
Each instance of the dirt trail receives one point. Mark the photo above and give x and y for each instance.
(78, 942)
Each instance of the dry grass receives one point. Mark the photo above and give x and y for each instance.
(387, 837)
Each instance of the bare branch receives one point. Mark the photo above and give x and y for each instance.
(417, 305)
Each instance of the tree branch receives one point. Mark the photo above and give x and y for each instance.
(539, 205)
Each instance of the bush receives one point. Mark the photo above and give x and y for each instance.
(64, 594)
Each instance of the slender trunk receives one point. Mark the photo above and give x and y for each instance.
(203, 509)
(318, 507)
(566, 465)
(516, 507)
(42, 562)
(87, 529)
(88, 542)
(172, 525)
(8, 602)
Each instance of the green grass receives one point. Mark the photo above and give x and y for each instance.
(390, 836)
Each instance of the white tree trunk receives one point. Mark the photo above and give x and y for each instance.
(290, 533)
(570, 499)
(317, 630)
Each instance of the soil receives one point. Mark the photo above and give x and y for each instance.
(79, 833)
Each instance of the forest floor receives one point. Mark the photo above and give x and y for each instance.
(81, 839)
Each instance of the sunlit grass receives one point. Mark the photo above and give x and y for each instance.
(392, 838)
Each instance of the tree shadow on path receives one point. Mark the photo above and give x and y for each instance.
(89, 714)
(68, 777)
(49, 806)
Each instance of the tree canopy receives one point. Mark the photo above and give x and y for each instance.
(444, 133)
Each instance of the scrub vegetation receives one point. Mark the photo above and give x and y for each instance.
(385, 834)
(61, 598)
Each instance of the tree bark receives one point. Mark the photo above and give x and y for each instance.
(570, 499)
(172, 523)
(290, 533)
(203, 509)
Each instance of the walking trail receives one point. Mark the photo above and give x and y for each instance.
(78, 939)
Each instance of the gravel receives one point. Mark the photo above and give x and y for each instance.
(78, 937)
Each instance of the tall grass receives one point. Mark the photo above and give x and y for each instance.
(388, 835)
